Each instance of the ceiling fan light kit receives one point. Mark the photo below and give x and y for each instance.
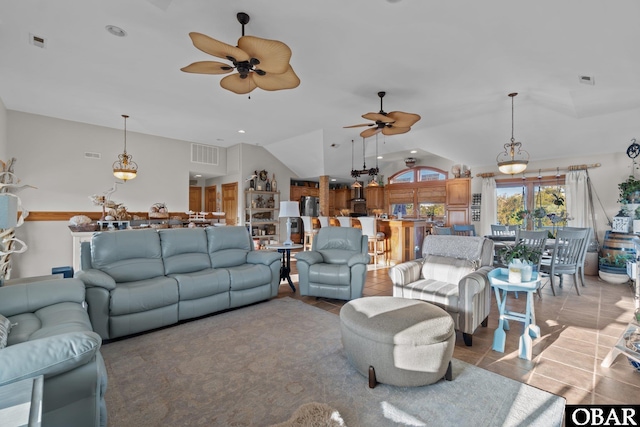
(125, 168)
(393, 123)
(513, 159)
(259, 62)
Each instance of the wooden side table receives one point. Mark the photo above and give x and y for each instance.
(285, 270)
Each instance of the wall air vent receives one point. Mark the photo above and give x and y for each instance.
(587, 80)
(90, 155)
(37, 41)
(205, 154)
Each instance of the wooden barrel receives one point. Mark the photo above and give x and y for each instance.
(618, 244)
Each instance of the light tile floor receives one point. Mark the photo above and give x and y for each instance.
(577, 332)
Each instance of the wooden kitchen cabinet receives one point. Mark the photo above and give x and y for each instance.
(458, 199)
(296, 192)
(342, 198)
(375, 197)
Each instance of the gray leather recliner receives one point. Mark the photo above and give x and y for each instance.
(336, 266)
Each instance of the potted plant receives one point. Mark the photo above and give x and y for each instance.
(520, 258)
(629, 190)
(622, 221)
(613, 268)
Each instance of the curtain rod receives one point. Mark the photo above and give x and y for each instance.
(567, 168)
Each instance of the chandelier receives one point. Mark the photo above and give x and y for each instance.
(373, 172)
(125, 168)
(513, 159)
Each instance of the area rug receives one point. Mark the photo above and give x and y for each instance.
(255, 366)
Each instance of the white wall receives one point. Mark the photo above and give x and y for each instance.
(50, 156)
(3, 131)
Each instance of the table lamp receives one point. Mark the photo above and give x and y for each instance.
(289, 210)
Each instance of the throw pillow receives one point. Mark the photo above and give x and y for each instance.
(5, 327)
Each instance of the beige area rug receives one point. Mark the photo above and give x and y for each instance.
(257, 365)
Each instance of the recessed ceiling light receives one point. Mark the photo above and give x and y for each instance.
(380, 157)
(413, 151)
(333, 180)
(241, 131)
(116, 31)
(198, 176)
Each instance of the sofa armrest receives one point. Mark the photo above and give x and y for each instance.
(474, 299)
(263, 257)
(358, 259)
(96, 278)
(29, 297)
(48, 356)
(405, 273)
(310, 257)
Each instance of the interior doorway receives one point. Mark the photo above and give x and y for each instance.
(195, 199)
(210, 196)
(230, 202)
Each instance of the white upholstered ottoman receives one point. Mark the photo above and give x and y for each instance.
(398, 341)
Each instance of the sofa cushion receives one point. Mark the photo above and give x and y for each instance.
(249, 276)
(143, 295)
(228, 246)
(444, 294)
(445, 269)
(184, 250)
(49, 321)
(330, 274)
(202, 283)
(128, 255)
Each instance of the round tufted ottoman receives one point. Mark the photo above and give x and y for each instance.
(398, 341)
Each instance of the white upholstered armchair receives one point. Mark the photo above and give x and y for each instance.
(452, 275)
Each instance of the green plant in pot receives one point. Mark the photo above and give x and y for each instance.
(629, 190)
(520, 251)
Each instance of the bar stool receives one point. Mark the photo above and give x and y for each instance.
(309, 232)
(324, 221)
(345, 221)
(377, 242)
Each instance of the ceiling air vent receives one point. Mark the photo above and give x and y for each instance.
(90, 155)
(587, 80)
(37, 41)
(205, 154)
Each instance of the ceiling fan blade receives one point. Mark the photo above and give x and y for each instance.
(403, 120)
(273, 55)
(217, 48)
(237, 85)
(270, 81)
(393, 130)
(359, 126)
(377, 117)
(369, 132)
(208, 67)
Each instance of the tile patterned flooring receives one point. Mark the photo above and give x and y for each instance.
(577, 332)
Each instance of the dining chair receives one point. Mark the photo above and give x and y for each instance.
(377, 244)
(535, 240)
(464, 229)
(442, 230)
(565, 257)
(585, 246)
(503, 230)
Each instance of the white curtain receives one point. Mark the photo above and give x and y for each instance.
(488, 208)
(577, 195)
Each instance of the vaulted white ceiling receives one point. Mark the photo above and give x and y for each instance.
(453, 62)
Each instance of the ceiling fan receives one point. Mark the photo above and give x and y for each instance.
(393, 123)
(259, 62)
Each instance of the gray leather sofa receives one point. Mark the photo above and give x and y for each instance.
(139, 280)
(51, 336)
(336, 265)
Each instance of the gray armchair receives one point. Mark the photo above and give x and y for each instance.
(336, 266)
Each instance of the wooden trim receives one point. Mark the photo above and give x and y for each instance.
(66, 216)
(538, 171)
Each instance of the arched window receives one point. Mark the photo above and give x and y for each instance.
(418, 174)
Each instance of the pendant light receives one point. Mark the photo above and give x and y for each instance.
(373, 172)
(513, 159)
(125, 168)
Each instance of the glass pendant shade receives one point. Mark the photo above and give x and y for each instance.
(125, 168)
